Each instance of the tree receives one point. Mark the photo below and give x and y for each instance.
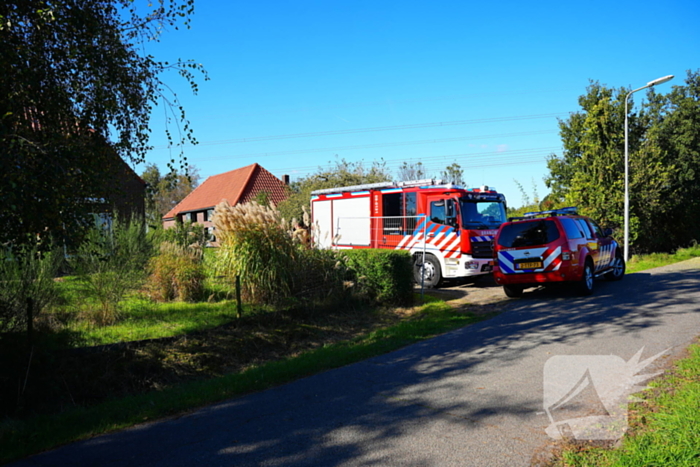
(412, 171)
(75, 77)
(664, 164)
(594, 144)
(342, 173)
(164, 192)
(674, 147)
(453, 173)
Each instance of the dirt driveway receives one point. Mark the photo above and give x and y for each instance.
(481, 297)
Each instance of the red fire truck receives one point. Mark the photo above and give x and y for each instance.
(448, 229)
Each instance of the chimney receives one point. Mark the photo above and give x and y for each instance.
(285, 179)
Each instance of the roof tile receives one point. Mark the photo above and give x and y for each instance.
(237, 186)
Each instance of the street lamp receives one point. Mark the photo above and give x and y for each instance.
(627, 170)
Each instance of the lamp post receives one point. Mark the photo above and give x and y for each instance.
(627, 170)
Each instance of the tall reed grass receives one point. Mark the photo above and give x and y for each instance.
(273, 260)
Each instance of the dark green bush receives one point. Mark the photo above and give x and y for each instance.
(382, 276)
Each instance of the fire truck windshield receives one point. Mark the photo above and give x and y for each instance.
(478, 214)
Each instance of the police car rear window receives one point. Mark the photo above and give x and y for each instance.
(532, 233)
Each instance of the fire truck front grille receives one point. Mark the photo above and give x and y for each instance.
(482, 249)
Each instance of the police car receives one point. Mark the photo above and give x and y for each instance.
(555, 246)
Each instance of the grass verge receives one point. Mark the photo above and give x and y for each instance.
(139, 317)
(642, 262)
(20, 438)
(665, 428)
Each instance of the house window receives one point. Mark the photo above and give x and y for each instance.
(193, 217)
(210, 234)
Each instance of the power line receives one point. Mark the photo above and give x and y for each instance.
(373, 129)
(368, 146)
(475, 160)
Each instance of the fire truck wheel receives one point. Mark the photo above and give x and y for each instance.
(585, 286)
(428, 273)
(618, 269)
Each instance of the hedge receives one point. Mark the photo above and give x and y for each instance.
(382, 276)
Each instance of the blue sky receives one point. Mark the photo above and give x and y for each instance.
(295, 85)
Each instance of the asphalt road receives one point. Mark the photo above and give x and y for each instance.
(472, 397)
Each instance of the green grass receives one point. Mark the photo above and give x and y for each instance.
(143, 319)
(667, 429)
(20, 438)
(642, 262)
(140, 318)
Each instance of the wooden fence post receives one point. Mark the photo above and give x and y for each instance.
(239, 305)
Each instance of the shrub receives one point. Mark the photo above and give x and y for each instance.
(26, 281)
(383, 276)
(320, 275)
(110, 262)
(177, 273)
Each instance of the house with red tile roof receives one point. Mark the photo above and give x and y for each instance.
(237, 187)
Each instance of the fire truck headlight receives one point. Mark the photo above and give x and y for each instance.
(471, 265)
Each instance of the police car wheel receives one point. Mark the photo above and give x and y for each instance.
(427, 273)
(618, 269)
(513, 291)
(585, 286)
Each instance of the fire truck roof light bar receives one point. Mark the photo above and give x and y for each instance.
(422, 182)
(426, 182)
(366, 186)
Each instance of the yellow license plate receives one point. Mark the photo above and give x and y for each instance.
(533, 265)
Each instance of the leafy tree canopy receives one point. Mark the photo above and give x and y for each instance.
(76, 92)
(664, 151)
(163, 192)
(453, 173)
(341, 173)
(411, 171)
